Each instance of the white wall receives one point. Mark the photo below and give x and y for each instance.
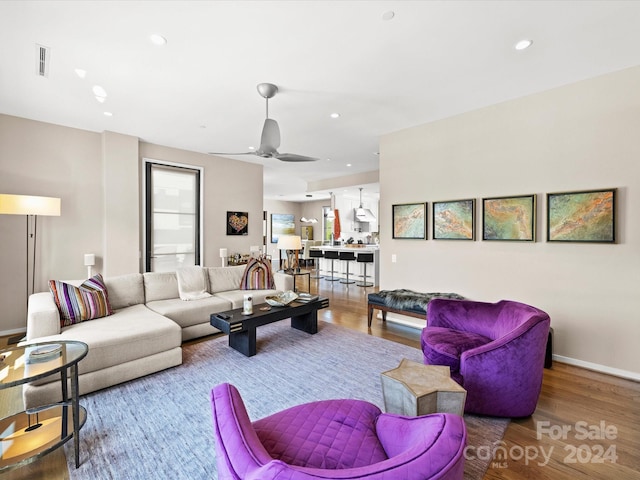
(578, 137)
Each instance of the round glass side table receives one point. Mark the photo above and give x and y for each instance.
(29, 435)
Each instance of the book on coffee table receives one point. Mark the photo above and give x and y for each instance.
(306, 298)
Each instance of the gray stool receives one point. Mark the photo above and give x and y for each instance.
(316, 255)
(365, 258)
(331, 255)
(347, 257)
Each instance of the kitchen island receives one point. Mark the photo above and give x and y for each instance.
(356, 270)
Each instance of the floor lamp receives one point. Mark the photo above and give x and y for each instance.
(31, 206)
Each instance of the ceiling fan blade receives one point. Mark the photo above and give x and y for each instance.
(292, 157)
(227, 153)
(270, 140)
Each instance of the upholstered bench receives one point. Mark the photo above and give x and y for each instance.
(403, 302)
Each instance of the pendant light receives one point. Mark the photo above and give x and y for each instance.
(331, 214)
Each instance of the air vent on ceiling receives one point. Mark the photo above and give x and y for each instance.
(43, 55)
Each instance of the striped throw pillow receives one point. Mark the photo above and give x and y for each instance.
(258, 275)
(77, 304)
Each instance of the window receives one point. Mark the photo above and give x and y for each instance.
(327, 225)
(172, 216)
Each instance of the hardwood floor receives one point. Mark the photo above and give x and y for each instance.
(586, 425)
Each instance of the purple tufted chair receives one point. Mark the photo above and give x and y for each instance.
(495, 351)
(343, 439)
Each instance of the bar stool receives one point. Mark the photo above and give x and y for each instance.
(347, 257)
(331, 255)
(365, 258)
(316, 255)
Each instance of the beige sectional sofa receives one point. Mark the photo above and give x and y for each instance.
(145, 333)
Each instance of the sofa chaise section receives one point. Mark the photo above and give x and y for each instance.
(133, 342)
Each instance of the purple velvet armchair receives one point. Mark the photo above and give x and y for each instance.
(344, 439)
(495, 351)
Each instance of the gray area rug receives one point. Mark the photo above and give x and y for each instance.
(160, 426)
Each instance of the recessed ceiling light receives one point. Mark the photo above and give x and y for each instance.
(523, 44)
(335, 115)
(108, 114)
(388, 15)
(98, 91)
(80, 72)
(348, 164)
(252, 148)
(157, 39)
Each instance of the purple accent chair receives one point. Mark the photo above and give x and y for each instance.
(344, 439)
(496, 351)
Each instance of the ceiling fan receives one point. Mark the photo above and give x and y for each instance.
(270, 139)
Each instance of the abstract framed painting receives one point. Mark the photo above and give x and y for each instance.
(454, 220)
(237, 223)
(282, 224)
(587, 216)
(509, 218)
(410, 221)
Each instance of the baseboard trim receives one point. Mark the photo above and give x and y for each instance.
(6, 333)
(403, 320)
(596, 367)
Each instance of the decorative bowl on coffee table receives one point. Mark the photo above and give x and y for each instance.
(281, 300)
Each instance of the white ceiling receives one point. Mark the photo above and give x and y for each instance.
(434, 59)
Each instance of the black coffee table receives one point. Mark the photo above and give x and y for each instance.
(242, 328)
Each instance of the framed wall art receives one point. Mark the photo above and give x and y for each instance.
(306, 232)
(454, 220)
(410, 221)
(282, 224)
(509, 218)
(237, 223)
(587, 216)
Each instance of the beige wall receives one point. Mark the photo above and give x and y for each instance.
(229, 185)
(42, 159)
(98, 178)
(122, 217)
(578, 137)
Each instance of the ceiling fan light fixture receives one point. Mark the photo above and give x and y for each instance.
(270, 139)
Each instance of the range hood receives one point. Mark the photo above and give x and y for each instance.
(363, 214)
